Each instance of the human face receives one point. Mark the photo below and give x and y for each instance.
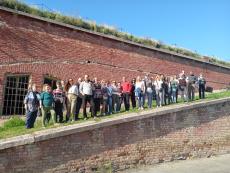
(48, 89)
(79, 80)
(71, 81)
(123, 79)
(34, 88)
(86, 77)
(58, 86)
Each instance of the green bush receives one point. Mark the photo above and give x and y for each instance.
(14, 122)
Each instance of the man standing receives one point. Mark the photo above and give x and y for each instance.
(183, 90)
(191, 80)
(79, 100)
(86, 89)
(201, 83)
(132, 93)
(126, 89)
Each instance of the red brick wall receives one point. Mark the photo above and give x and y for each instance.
(191, 131)
(36, 47)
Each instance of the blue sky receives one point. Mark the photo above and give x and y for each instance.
(198, 25)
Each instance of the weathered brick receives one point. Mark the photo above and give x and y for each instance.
(161, 137)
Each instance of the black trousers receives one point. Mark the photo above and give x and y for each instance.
(126, 101)
(59, 111)
(97, 104)
(133, 100)
(88, 99)
(201, 91)
(78, 107)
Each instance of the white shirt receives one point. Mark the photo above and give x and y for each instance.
(158, 84)
(140, 85)
(73, 90)
(86, 88)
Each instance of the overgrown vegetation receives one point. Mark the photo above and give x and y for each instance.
(108, 30)
(16, 125)
(14, 122)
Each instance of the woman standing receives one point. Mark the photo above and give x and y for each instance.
(31, 102)
(97, 95)
(109, 103)
(115, 97)
(46, 104)
(59, 99)
(159, 91)
(174, 87)
(139, 90)
(120, 96)
(72, 93)
(149, 91)
(104, 91)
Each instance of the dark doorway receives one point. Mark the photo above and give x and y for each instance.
(51, 81)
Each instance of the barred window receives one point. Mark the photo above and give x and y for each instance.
(16, 88)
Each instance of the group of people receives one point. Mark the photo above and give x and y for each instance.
(106, 97)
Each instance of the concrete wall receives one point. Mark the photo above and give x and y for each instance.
(38, 47)
(166, 134)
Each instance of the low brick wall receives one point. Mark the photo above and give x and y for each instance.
(170, 133)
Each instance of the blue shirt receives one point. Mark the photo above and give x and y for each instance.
(31, 101)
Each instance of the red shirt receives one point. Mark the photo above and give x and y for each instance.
(126, 87)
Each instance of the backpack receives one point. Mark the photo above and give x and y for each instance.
(36, 101)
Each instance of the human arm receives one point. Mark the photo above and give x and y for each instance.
(81, 88)
(41, 99)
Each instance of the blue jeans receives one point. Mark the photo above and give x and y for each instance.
(110, 104)
(173, 96)
(140, 99)
(150, 99)
(30, 119)
(159, 97)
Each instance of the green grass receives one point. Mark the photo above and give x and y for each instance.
(16, 125)
(108, 30)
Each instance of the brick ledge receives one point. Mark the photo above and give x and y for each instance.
(90, 125)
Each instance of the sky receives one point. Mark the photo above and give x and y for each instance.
(202, 26)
